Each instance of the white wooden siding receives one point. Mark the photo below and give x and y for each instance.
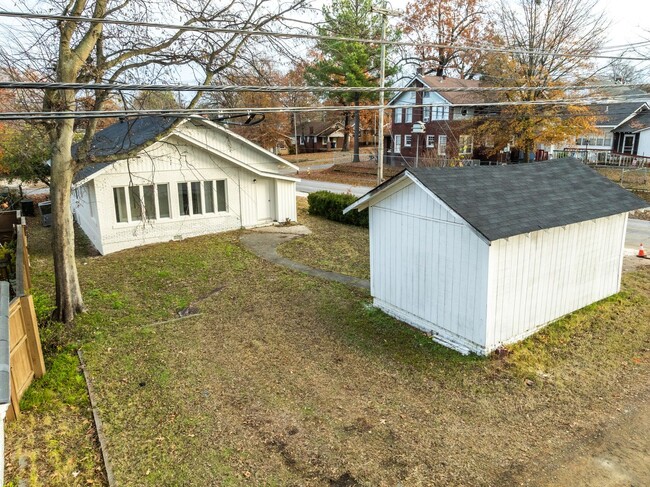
(539, 277)
(644, 143)
(429, 268)
(232, 146)
(285, 194)
(84, 207)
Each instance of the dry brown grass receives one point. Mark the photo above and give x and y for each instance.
(332, 246)
(286, 379)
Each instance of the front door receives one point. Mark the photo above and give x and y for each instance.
(628, 144)
(264, 200)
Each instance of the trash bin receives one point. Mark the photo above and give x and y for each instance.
(46, 213)
(27, 207)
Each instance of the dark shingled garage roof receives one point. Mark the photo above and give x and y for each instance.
(120, 138)
(503, 201)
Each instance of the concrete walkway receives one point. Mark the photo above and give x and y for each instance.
(264, 243)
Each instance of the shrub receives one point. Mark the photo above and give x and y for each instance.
(331, 206)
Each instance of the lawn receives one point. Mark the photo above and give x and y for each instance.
(285, 379)
(331, 246)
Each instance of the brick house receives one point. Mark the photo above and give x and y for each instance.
(447, 116)
(320, 136)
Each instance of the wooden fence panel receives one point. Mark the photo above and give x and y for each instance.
(25, 353)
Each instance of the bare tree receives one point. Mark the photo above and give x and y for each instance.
(539, 33)
(448, 22)
(98, 52)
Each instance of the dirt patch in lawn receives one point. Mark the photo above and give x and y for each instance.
(332, 246)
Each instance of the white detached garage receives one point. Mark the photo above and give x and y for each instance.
(197, 179)
(484, 256)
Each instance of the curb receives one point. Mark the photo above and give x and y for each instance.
(99, 427)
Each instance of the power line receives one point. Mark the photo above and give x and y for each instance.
(31, 85)
(315, 37)
(185, 112)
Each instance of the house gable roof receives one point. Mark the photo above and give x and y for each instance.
(438, 85)
(616, 113)
(637, 123)
(504, 201)
(129, 134)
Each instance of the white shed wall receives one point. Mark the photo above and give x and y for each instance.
(429, 268)
(539, 277)
(174, 162)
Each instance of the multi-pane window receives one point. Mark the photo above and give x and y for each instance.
(133, 203)
(302, 140)
(397, 144)
(197, 198)
(442, 145)
(426, 114)
(407, 140)
(408, 116)
(465, 144)
(439, 112)
(431, 140)
(398, 115)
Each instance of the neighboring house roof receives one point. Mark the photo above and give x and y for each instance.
(129, 134)
(504, 201)
(638, 123)
(121, 138)
(319, 129)
(616, 113)
(439, 83)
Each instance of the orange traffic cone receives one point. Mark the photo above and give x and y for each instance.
(641, 252)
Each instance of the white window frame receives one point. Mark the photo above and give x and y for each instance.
(302, 140)
(442, 145)
(426, 113)
(408, 116)
(408, 140)
(127, 199)
(431, 140)
(398, 115)
(397, 144)
(215, 198)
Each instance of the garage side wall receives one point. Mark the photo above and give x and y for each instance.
(84, 208)
(539, 277)
(428, 268)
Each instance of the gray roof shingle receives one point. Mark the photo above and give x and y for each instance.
(122, 137)
(504, 201)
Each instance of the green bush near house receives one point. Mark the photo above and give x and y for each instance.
(331, 206)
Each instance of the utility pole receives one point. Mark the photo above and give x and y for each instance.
(383, 10)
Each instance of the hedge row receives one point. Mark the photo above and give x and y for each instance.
(331, 206)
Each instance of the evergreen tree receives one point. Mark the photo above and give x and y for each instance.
(348, 63)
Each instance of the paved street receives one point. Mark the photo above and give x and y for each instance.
(308, 186)
(638, 231)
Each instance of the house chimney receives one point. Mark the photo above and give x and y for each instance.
(420, 70)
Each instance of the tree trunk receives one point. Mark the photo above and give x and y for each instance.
(356, 157)
(346, 133)
(68, 292)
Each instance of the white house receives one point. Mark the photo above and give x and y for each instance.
(200, 178)
(484, 256)
(632, 135)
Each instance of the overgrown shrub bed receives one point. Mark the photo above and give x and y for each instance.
(331, 206)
